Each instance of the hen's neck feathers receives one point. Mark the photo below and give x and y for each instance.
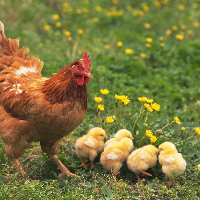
(62, 87)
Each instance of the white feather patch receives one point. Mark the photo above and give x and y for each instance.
(89, 142)
(24, 71)
(170, 160)
(143, 157)
(111, 156)
(16, 88)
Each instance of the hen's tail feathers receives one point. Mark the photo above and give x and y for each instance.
(10, 53)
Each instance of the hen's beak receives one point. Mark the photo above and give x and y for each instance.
(88, 74)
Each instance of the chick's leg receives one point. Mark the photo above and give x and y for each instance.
(14, 152)
(51, 149)
(83, 163)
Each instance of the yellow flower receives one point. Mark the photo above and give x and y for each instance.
(149, 100)
(155, 106)
(117, 97)
(174, 28)
(161, 38)
(109, 119)
(47, 27)
(162, 44)
(98, 8)
(80, 31)
(181, 7)
(142, 99)
(65, 5)
(101, 107)
(98, 99)
(176, 120)
(198, 167)
(147, 26)
(182, 128)
(106, 47)
(168, 32)
(183, 27)
(169, 136)
(153, 138)
(119, 44)
(125, 100)
(95, 20)
(197, 130)
(149, 40)
(58, 24)
(149, 133)
(104, 91)
(55, 17)
(148, 107)
(67, 33)
(179, 37)
(129, 51)
(196, 25)
(148, 45)
(143, 55)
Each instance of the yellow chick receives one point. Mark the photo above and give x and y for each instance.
(122, 133)
(142, 159)
(171, 160)
(113, 157)
(89, 145)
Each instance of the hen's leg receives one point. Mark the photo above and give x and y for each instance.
(14, 152)
(51, 149)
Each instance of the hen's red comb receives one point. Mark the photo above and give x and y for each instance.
(86, 61)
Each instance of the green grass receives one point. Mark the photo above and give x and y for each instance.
(169, 74)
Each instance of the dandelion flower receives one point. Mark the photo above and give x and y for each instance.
(197, 130)
(149, 100)
(104, 91)
(155, 106)
(174, 28)
(109, 119)
(125, 100)
(67, 33)
(162, 44)
(47, 27)
(106, 47)
(147, 26)
(101, 107)
(149, 40)
(161, 38)
(168, 32)
(119, 44)
(98, 99)
(95, 19)
(198, 166)
(55, 17)
(182, 128)
(149, 133)
(181, 7)
(142, 99)
(176, 120)
(153, 139)
(58, 24)
(98, 8)
(80, 31)
(117, 97)
(179, 37)
(148, 107)
(148, 45)
(129, 51)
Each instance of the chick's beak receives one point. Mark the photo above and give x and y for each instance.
(132, 138)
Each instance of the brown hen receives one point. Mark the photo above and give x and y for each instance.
(35, 108)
